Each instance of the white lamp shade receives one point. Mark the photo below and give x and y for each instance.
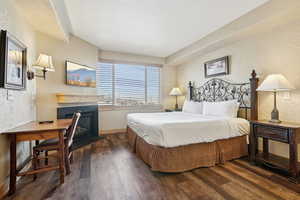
(44, 62)
(275, 83)
(175, 92)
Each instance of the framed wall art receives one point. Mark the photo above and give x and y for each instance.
(13, 62)
(217, 67)
(80, 75)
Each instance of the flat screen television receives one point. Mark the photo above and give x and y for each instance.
(80, 75)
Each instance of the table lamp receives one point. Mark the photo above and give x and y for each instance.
(176, 92)
(275, 83)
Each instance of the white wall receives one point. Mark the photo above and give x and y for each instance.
(128, 57)
(20, 107)
(75, 50)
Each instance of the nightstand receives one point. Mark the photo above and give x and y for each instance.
(288, 133)
(173, 110)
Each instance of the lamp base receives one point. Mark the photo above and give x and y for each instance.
(176, 106)
(275, 112)
(277, 121)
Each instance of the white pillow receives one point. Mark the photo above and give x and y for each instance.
(192, 107)
(222, 108)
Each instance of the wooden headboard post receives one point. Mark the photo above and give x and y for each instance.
(254, 98)
(191, 90)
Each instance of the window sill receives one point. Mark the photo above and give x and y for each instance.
(131, 108)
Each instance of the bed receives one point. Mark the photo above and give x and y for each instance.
(178, 141)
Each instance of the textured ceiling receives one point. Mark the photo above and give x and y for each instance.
(155, 27)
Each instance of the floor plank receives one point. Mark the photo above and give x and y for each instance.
(107, 170)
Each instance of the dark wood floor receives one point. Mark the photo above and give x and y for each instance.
(107, 170)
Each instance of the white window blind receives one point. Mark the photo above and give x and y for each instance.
(128, 85)
(104, 83)
(153, 85)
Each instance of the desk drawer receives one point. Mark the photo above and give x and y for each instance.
(278, 134)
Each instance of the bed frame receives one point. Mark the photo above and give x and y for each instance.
(188, 157)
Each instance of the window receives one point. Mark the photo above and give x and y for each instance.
(128, 85)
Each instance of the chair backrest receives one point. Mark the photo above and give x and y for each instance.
(72, 129)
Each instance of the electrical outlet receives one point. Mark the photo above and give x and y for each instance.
(9, 96)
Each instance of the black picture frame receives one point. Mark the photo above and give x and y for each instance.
(222, 63)
(13, 62)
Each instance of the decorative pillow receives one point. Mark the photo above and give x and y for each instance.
(192, 107)
(222, 108)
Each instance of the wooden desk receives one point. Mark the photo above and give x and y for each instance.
(35, 131)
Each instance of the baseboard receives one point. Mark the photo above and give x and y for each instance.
(112, 131)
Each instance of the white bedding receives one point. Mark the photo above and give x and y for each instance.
(171, 129)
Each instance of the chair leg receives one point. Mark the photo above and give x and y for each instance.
(67, 161)
(46, 157)
(34, 162)
(37, 142)
(71, 158)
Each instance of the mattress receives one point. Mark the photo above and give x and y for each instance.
(172, 129)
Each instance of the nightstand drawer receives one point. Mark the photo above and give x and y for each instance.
(278, 134)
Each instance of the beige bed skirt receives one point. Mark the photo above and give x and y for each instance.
(183, 158)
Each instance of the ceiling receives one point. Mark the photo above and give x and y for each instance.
(40, 15)
(151, 27)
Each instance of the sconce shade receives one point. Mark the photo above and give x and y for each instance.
(44, 62)
(175, 92)
(275, 83)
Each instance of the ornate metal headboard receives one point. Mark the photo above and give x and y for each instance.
(219, 90)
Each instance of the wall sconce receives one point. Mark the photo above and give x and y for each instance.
(44, 63)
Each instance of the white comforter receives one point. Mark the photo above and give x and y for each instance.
(171, 129)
